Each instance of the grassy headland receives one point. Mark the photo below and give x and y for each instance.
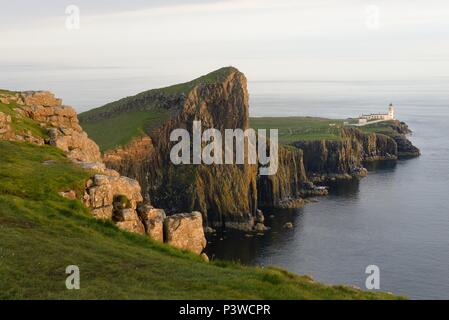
(293, 129)
(110, 126)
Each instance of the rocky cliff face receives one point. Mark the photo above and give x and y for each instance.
(345, 157)
(226, 195)
(287, 185)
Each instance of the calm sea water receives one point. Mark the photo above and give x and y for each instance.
(397, 218)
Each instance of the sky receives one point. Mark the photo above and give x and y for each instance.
(278, 40)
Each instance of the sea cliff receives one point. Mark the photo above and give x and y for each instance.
(229, 196)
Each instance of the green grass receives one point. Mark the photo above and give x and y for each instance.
(121, 128)
(42, 233)
(293, 129)
(379, 127)
(22, 124)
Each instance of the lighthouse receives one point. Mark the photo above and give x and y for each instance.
(391, 112)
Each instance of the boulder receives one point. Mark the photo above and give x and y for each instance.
(260, 227)
(100, 196)
(71, 194)
(288, 225)
(153, 221)
(127, 219)
(185, 231)
(103, 212)
(259, 217)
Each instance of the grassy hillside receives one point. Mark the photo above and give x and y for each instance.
(41, 233)
(293, 129)
(119, 130)
(118, 127)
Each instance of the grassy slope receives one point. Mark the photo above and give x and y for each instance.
(300, 128)
(309, 128)
(41, 233)
(121, 128)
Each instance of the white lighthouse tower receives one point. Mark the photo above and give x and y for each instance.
(391, 112)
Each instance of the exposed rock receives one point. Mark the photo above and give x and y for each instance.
(60, 121)
(260, 218)
(291, 203)
(288, 225)
(71, 195)
(75, 144)
(209, 230)
(153, 221)
(205, 257)
(134, 226)
(40, 98)
(260, 227)
(114, 197)
(5, 126)
(185, 231)
(343, 159)
(103, 212)
(100, 196)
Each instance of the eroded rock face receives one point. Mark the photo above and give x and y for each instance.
(344, 158)
(61, 123)
(102, 192)
(226, 195)
(5, 125)
(185, 231)
(127, 219)
(153, 221)
(287, 183)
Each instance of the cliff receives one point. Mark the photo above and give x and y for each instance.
(226, 195)
(287, 184)
(344, 157)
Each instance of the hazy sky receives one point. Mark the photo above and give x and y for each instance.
(268, 40)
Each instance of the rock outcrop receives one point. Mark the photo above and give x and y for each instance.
(184, 231)
(153, 220)
(60, 123)
(5, 126)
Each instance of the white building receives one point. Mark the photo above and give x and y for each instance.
(365, 118)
